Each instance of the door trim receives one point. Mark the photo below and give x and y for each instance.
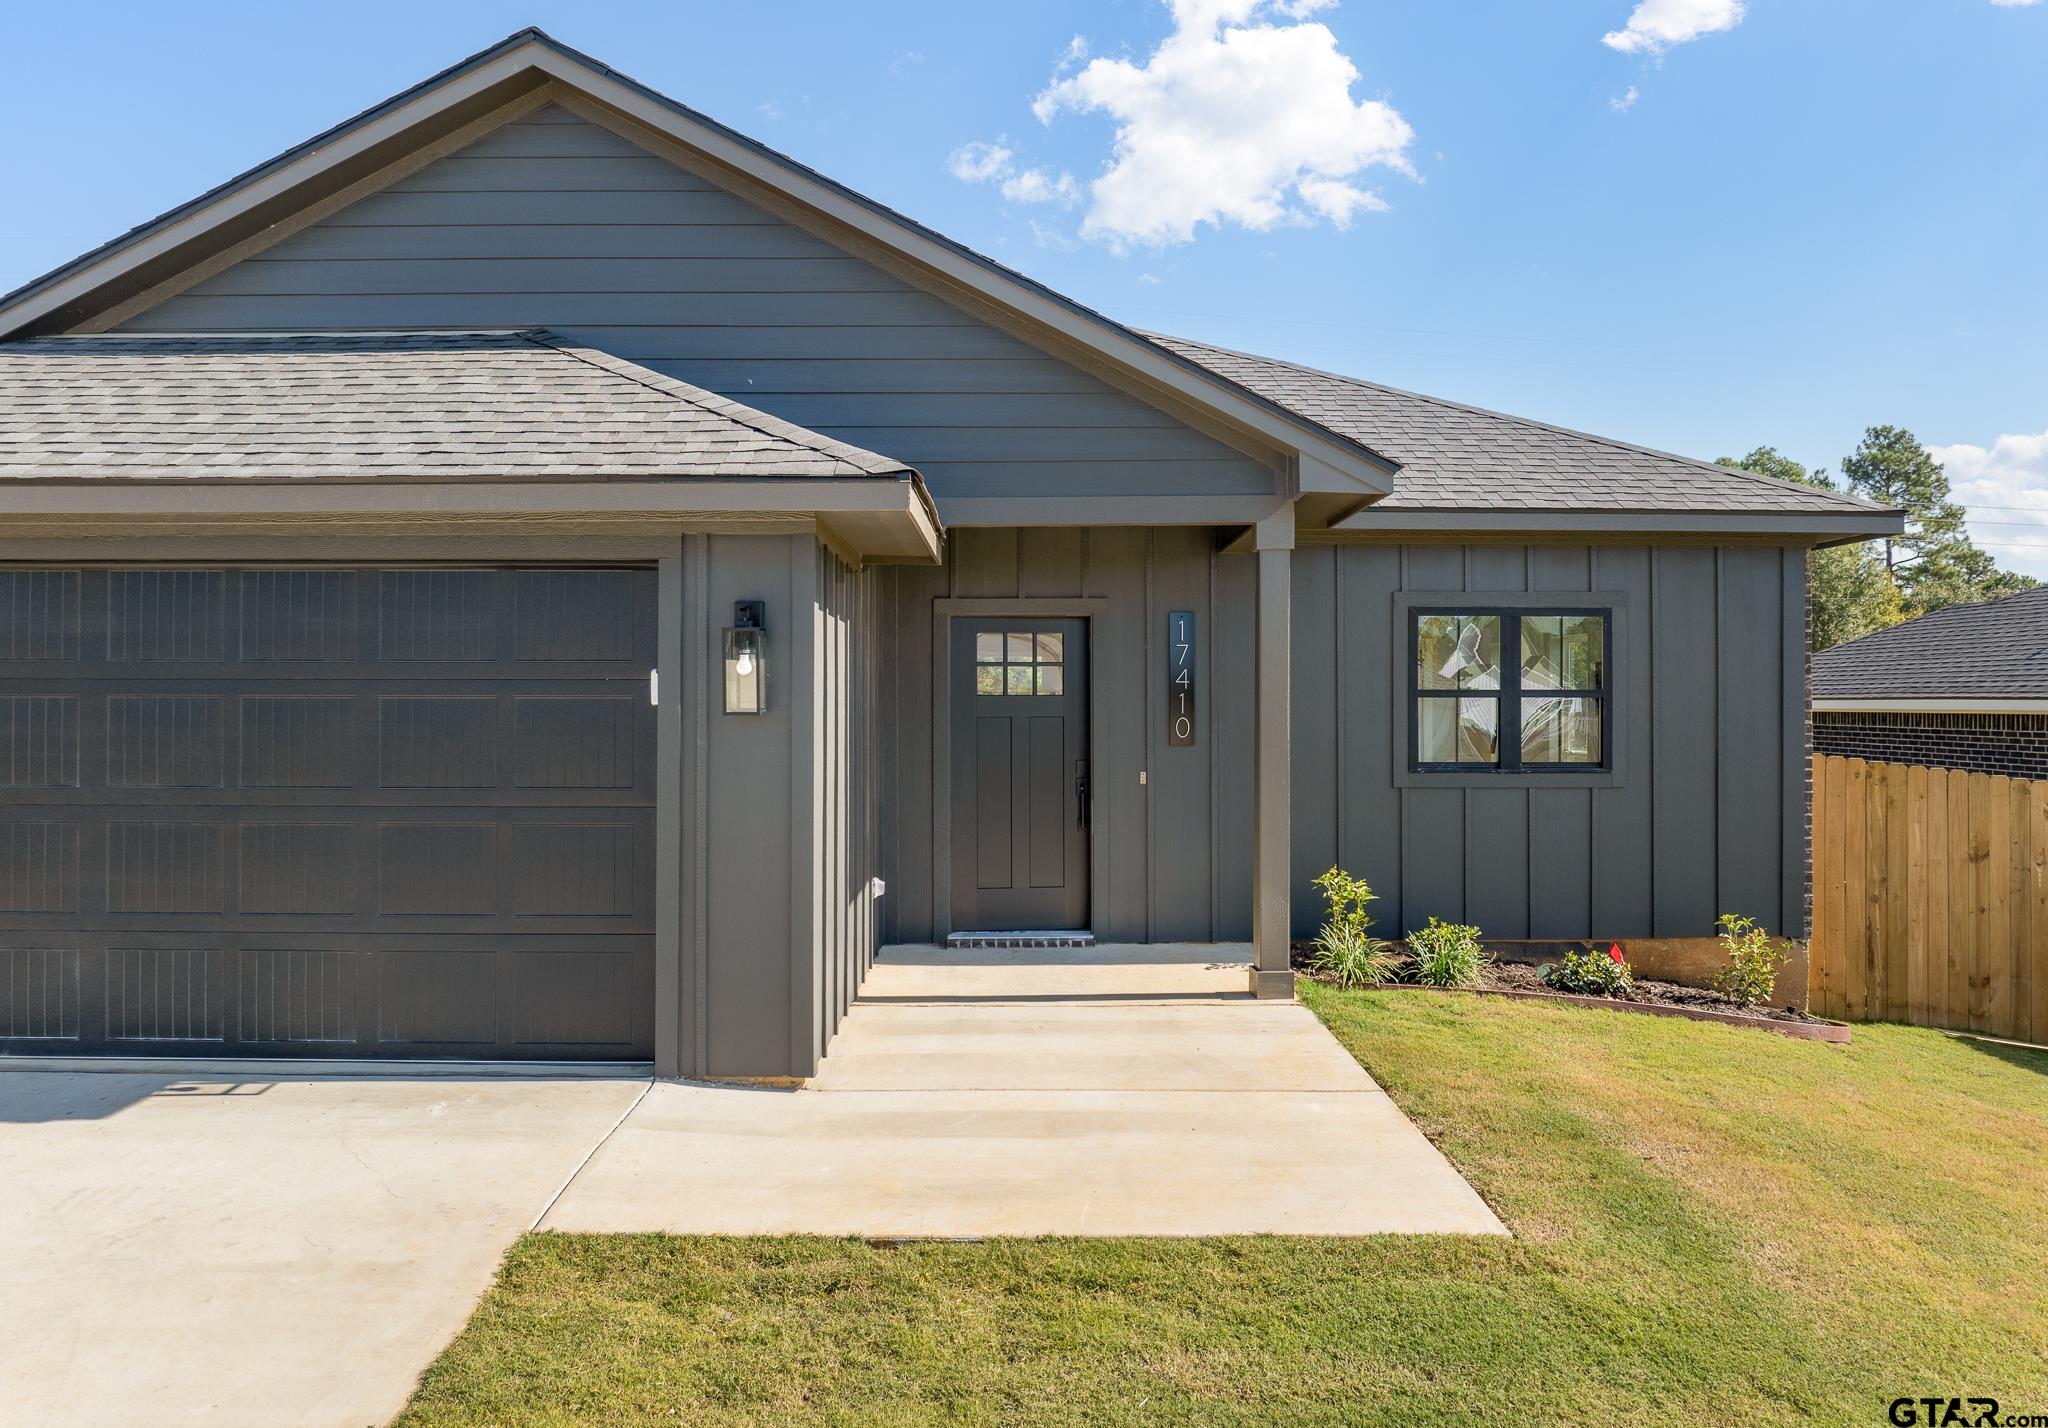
(1091, 608)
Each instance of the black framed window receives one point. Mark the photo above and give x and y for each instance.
(1512, 690)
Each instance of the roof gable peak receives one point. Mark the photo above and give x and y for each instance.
(529, 68)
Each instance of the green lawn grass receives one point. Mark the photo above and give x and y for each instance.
(1711, 1225)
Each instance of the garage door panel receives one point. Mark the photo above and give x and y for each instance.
(166, 741)
(299, 869)
(327, 812)
(39, 866)
(39, 995)
(580, 870)
(39, 741)
(298, 996)
(40, 616)
(299, 616)
(438, 869)
(155, 616)
(297, 741)
(438, 996)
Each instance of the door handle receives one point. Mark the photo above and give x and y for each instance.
(1081, 812)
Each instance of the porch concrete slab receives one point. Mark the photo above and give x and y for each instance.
(223, 1248)
(970, 1164)
(1177, 970)
(1087, 1046)
(942, 1120)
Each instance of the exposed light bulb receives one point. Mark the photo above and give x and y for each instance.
(744, 665)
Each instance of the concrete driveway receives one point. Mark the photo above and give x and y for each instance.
(272, 1251)
(1106, 1091)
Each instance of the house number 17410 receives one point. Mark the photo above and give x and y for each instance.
(1180, 678)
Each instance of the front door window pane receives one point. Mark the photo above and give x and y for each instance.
(988, 648)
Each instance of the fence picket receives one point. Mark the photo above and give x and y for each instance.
(1930, 897)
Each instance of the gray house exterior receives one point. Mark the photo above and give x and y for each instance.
(379, 530)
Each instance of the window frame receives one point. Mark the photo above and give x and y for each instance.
(1612, 606)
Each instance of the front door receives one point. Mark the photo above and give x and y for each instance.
(1020, 775)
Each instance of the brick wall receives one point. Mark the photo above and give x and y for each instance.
(2015, 744)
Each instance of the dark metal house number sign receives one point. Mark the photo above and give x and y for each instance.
(1180, 678)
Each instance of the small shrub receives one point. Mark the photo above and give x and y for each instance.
(1591, 973)
(1353, 959)
(1346, 951)
(1348, 898)
(1446, 954)
(1754, 957)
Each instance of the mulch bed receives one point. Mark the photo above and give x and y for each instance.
(1525, 980)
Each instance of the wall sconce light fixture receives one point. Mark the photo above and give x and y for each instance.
(746, 659)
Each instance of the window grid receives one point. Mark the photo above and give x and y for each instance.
(1500, 695)
(1019, 663)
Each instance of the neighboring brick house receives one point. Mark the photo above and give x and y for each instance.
(1961, 688)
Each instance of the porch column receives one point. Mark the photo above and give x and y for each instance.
(1272, 816)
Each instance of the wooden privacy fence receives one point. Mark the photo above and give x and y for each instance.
(1930, 898)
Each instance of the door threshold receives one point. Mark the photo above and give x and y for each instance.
(1020, 939)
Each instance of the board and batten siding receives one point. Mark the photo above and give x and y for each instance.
(1178, 847)
(554, 221)
(841, 826)
(1707, 814)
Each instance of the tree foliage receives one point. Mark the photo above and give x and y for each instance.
(1933, 563)
(1852, 593)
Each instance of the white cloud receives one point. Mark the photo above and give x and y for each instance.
(1626, 102)
(980, 161)
(1242, 115)
(1657, 25)
(1147, 280)
(771, 109)
(1046, 236)
(2014, 4)
(2005, 488)
(1040, 186)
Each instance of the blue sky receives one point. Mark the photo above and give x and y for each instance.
(1810, 217)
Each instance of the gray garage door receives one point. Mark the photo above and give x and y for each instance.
(325, 812)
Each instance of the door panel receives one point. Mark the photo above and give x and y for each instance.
(1020, 761)
(327, 812)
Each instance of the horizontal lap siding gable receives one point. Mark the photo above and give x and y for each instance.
(552, 221)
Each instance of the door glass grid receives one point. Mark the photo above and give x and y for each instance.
(1020, 663)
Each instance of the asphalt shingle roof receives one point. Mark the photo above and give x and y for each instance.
(1994, 650)
(439, 406)
(1461, 458)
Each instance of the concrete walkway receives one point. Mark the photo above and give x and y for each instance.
(1103, 1092)
(192, 1246)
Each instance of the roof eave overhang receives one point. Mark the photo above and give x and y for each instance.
(878, 519)
(517, 71)
(1803, 528)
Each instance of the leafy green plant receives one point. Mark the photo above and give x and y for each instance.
(1446, 954)
(1353, 959)
(1346, 951)
(1591, 973)
(1754, 958)
(1348, 898)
